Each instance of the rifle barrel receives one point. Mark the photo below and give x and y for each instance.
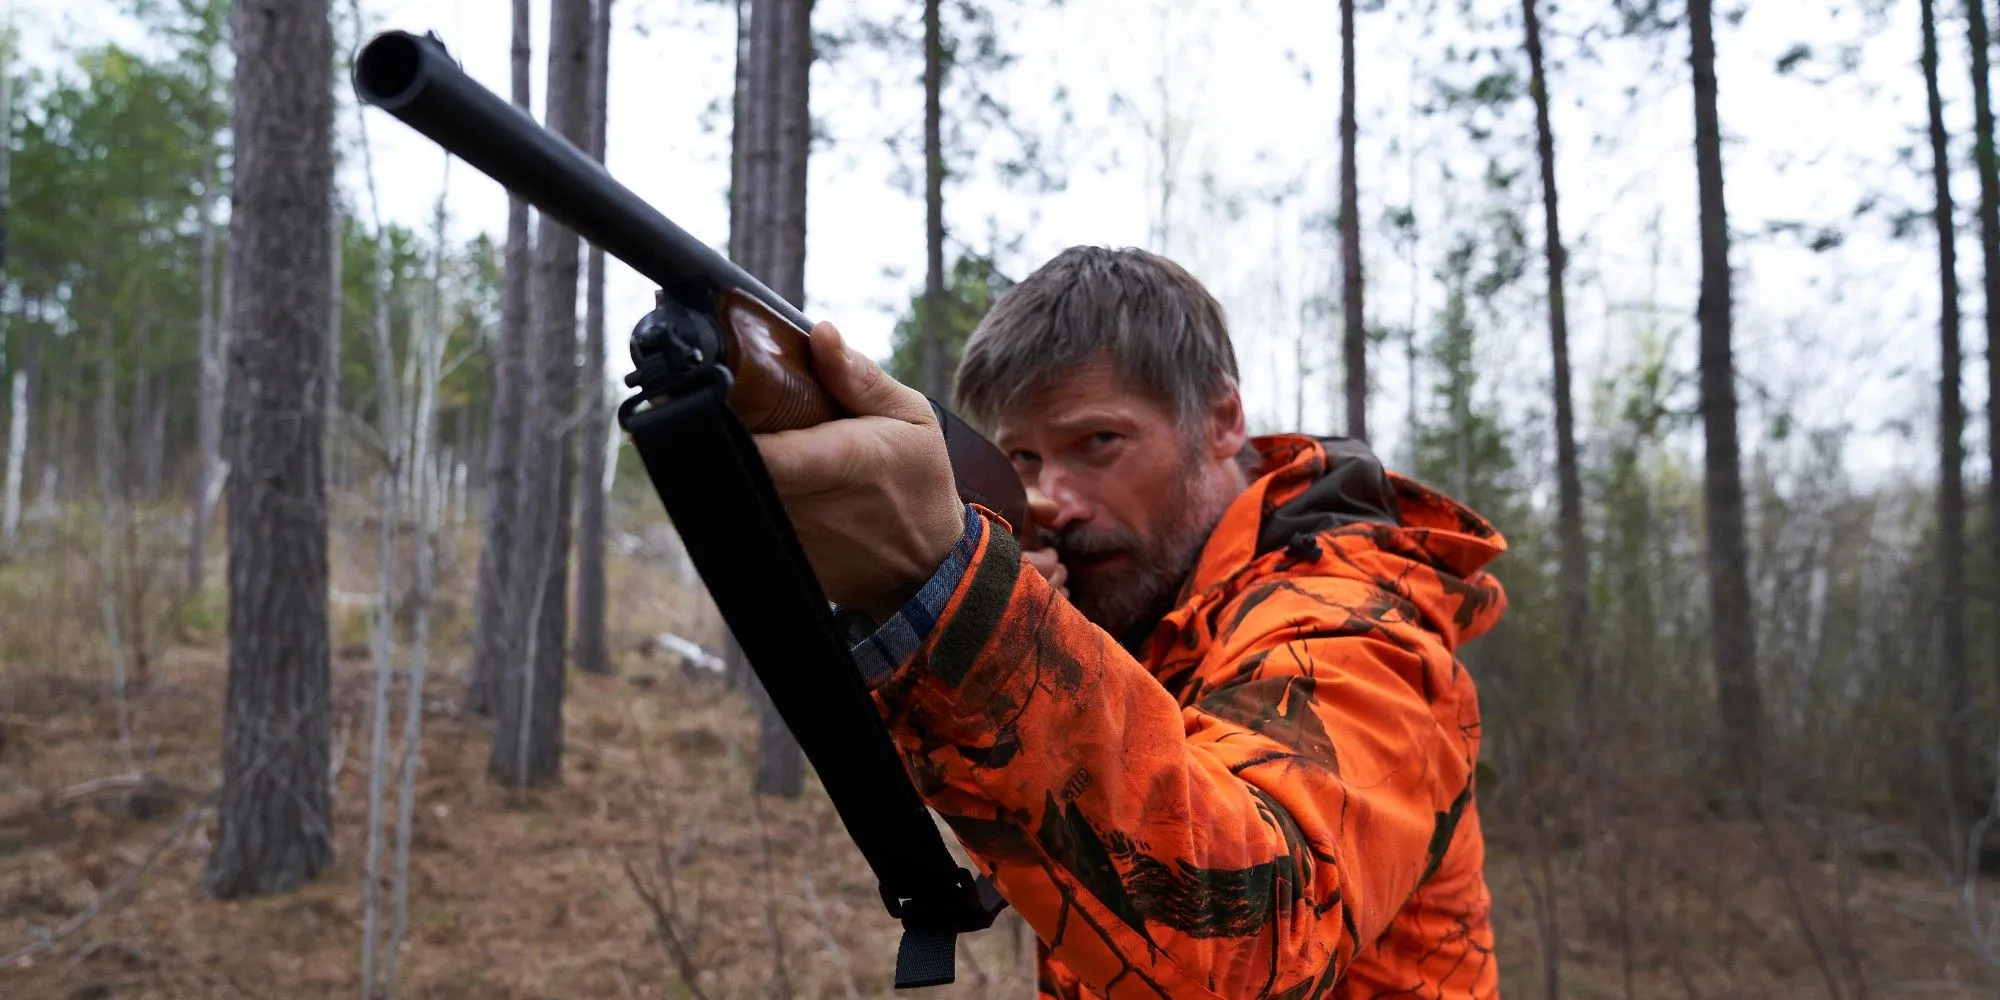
(412, 78)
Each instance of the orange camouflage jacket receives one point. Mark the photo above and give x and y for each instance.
(1268, 795)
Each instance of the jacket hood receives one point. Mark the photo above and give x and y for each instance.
(1331, 499)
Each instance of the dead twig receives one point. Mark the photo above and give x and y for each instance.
(118, 888)
(114, 782)
(1969, 888)
(833, 944)
(338, 758)
(1801, 910)
(678, 942)
(625, 981)
(666, 922)
(781, 981)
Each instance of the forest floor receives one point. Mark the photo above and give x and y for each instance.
(532, 894)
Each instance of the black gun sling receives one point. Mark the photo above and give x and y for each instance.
(708, 473)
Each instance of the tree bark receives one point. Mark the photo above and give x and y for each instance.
(746, 247)
(1350, 239)
(17, 451)
(1989, 245)
(933, 319)
(496, 640)
(766, 24)
(335, 316)
(777, 122)
(208, 408)
(1569, 506)
(6, 161)
(17, 417)
(590, 647)
(794, 145)
(1951, 443)
(527, 745)
(741, 136)
(428, 337)
(111, 516)
(1732, 636)
(276, 822)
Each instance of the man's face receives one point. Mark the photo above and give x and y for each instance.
(1135, 491)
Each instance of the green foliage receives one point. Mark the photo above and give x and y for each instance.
(970, 289)
(109, 153)
(469, 280)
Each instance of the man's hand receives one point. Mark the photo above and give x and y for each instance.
(1042, 510)
(871, 495)
(1047, 563)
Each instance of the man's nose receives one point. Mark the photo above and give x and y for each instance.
(1064, 506)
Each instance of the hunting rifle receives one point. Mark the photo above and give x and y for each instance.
(719, 358)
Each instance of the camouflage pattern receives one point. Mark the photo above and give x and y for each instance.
(1271, 793)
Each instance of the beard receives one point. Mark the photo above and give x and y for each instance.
(1118, 577)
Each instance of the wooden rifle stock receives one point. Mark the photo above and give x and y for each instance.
(709, 309)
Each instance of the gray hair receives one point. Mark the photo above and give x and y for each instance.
(1161, 330)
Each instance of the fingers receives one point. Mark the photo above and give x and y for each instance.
(859, 384)
(1047, 563)
(811, 459)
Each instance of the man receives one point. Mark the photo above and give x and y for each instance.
(1213, 741)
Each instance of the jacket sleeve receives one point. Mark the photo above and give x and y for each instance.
(1245, 844)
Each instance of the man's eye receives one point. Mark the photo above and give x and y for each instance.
(1024, 457)
(1102, 438)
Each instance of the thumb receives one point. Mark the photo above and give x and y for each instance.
(860, 385)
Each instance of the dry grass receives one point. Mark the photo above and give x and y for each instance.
(526, 895)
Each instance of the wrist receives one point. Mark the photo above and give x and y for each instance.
(946, 537)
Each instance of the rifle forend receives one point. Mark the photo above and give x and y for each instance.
(708, 308)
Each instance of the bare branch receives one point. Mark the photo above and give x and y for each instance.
(118, 888)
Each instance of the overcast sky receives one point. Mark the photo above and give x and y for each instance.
(1847, 334)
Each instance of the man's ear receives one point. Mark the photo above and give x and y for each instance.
(1226, 428)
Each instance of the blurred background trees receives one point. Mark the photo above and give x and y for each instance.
(1674, 295)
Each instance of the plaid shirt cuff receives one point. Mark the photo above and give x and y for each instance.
(878, 651)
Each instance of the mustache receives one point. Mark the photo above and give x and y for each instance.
(1080, 541)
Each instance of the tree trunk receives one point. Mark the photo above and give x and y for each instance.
(1411, 420)
(1350, 239)
(335, 468)
(275, 819)
(1989, 244)
(1732, 634)
(527, 745)
(780, 762)
(208, 408)
(17, 451)
(1569, 510)
(794, 137)
(6, 160)
(933, 319)
(140, 468)
(110, 587)
(590, 652)
(774, 122)
(766, 28)
(745, 246)
(740, 139)
(427, 337)
(496, 639)
(17, 417)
